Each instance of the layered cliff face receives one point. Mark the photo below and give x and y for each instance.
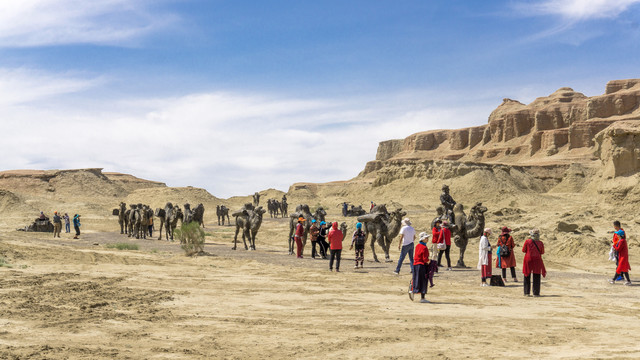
(557, 129)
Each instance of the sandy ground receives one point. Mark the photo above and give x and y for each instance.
(68, 298)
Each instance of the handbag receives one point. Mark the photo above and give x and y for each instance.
(441, 245)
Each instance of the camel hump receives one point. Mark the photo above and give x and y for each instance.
(368, 217)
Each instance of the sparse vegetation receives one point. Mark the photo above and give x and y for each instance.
(4, 263)
(122, 246)
(191, 238)
(208, 234)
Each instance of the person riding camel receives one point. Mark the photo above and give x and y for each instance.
(448, 203)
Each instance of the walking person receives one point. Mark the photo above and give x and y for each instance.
(76, 225)
(621, 247)
(67, 223)
(313, 235)
(358, 241)
(322, 239)
(405, 245)
(335, 240)
(298, 236)
(444, 244)
(618, 233)
(506, 258)
(150, 228)
(420, 262)
(57, 224)
(532, 263)
(484, 256)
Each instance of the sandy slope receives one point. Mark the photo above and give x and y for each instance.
(78, 299)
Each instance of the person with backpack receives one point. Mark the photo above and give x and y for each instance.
(335, 239)
(358, 241)
(506, 259)
(622, 251)
(405, 245)
(313, 234)
(322, 239)
(484, 258)
(532, 263)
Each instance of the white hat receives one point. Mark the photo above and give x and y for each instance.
(487, 230)
(406, 221)
(424, 236)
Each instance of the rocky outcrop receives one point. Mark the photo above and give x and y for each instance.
(556, 129)
(618, 147)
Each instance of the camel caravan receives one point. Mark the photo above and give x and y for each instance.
(380, 226)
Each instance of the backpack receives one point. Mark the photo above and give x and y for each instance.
(359, 238)
(505, 251)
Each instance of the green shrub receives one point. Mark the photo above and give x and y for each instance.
(4, 263)
(191, 238)
(122, 246)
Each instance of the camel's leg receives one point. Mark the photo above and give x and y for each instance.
(121, 227)
(235, 238)
(461, 259)
(373, 247)
(245, 235)
(253, 240)
(290, 240)
(160, 231)
(387, 246)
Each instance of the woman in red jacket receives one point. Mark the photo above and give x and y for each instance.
(445, 237)
(533, 264)
(420, 262)
(506, 262)
(335, 242)
(623, 255)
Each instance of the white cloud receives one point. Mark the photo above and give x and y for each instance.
(27, 23)
(229, 143)
(579, 10)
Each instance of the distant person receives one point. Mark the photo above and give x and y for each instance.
(345, 207)
(298, 236)
(533, 264)
(372, 206)
(406, 244)
(150, 228)
(57, 224)
(42, 217)
(313, 235)
(358, 242)
(484, 256)
(435, 236)
(420, 263)
(335, 240)
(444, 240)
(506, 258)
(447, 202)
(67, 223)
(323, 245)
(76, 225)
(617, 234)
(622, 250)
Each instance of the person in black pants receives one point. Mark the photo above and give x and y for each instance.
(445, 237)
(322, 239)
(533, 264)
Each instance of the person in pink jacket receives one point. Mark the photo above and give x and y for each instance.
(335, 245)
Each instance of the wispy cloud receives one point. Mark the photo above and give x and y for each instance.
(227, 142)
(27, 23)
(578, 10)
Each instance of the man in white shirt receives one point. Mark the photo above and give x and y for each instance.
(405, 245)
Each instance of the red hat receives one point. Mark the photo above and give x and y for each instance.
(506, 229)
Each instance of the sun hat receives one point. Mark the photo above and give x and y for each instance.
(534, 232)
(406, 221)
(424, 236)
(506, 229)
(301, 219)
(359, 226)
(487, 230)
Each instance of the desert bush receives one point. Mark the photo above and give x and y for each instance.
(191, 238)
(4, 263)
(122, 246)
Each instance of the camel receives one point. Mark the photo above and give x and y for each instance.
(301, 211)
(319, 214)
(383, 227)
(131, 218)
(121, 215)
(188, 213)
(171, 220)
(249, 222)
(467, 227)
(161, 214)
(284, 207)
(256, 199)
(222, 211)
(198, 214)
(273, 206)
(142, 221)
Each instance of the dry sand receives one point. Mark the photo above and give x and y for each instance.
(74, 299)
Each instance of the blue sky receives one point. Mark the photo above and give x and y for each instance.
(238, 96)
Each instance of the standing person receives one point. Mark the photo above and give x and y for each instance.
(67, 223)
(298, 236)
(150, 228)
(617, 234)
(335, 240)
(445, 238)
(57, 224)
(313, 234)
(405, 245)
(42, 217)
(620, 246)
(322, 239)
(532, 263)
(345, 207)
(420, 262)
(484, 258)
(372, 206)
(358, 241)
(506, 257)
(76, 225)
